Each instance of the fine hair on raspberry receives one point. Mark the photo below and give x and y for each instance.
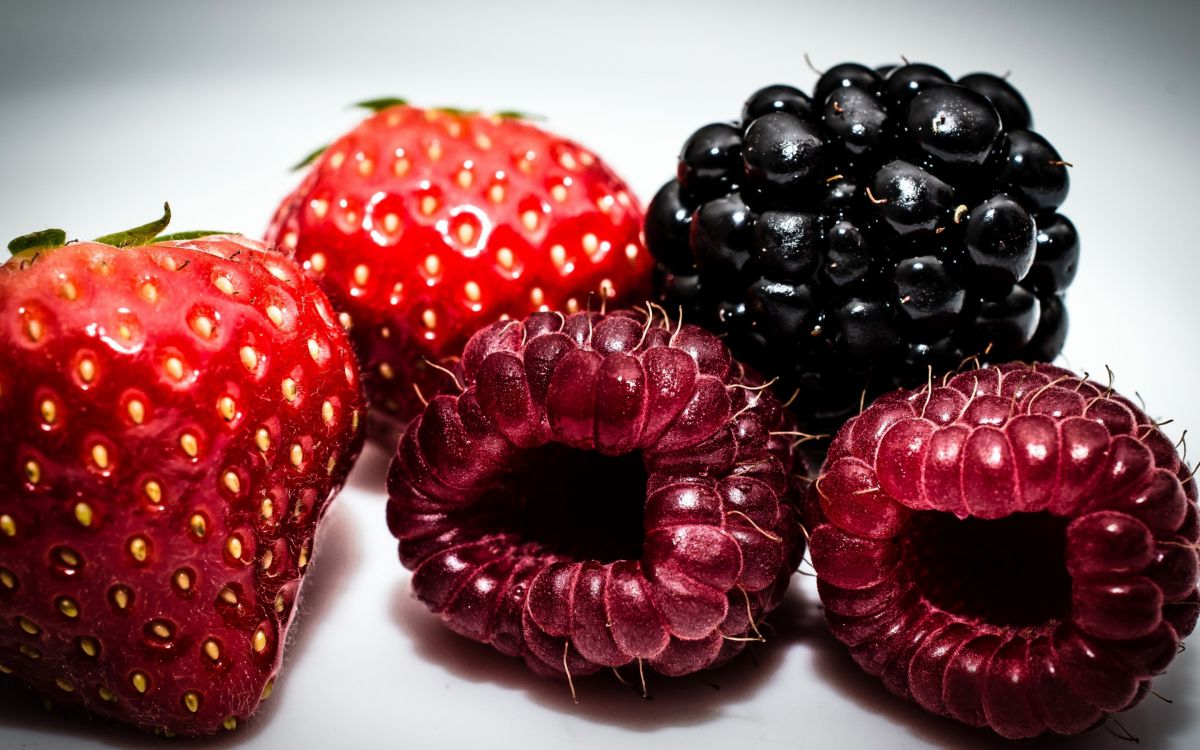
(1014, 549)
(606, 490)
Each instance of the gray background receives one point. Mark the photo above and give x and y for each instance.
(108, 108)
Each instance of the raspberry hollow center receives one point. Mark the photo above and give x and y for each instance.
(1009, 571)
(576, 503)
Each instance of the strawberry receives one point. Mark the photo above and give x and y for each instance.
(177, 416)
(422, 225)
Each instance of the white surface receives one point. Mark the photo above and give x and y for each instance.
(108, 108)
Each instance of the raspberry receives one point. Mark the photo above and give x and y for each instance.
(1015, 549)
(510, 499)
(894, 222)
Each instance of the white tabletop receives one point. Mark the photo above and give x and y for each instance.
(110, 108)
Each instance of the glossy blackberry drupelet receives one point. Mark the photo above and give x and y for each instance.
(893, 222)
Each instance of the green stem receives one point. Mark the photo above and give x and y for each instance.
(31, 244)
(310, 158)
(139, 235)
(375, 105)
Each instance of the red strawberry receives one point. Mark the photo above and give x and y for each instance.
(177, 417)
(423, 225)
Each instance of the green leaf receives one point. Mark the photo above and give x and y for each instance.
(377, 105)
(309, 159)
(193, 235)
(45, 239)
(139, 235)
(512, 114)
(457, 111)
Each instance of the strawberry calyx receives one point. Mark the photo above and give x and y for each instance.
(387, 102)
(194, 234)
(28, 246)
(46, 239)
(139, 235)
(310, 158)
(380, 104)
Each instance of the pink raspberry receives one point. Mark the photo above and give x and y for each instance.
(605, 490)
(1015, 549)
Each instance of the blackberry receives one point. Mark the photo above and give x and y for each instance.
(895, 221)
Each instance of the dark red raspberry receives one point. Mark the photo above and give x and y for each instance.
(1015, 549)
(499, 499)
